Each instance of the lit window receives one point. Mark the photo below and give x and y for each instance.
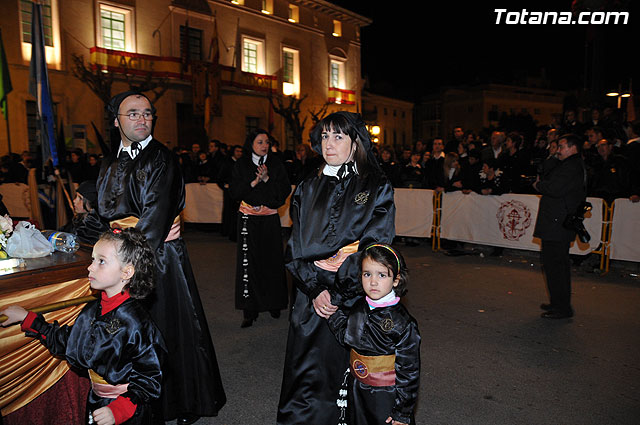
(291, 71)
(336, 74)
(116, 29)
(294, 13)
(112, 24)
(50, 29)
(267, 7)
(240, 2)
(252, 56)
(26, 9)
(337, 28)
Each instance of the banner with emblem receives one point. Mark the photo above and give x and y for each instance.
(507, 220)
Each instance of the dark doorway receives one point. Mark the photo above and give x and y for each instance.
(190, 127)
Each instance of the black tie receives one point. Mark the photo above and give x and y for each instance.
(135, 149)
(261, 161)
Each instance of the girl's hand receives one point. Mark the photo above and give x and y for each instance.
(322, 305)
(15, 314)
(104, 416)
(392, 422)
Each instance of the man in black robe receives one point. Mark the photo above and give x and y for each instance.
(140, 184)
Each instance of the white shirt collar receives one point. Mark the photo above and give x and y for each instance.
(332, 170)
(438, 155)
(256, 158)
(133, 154)
(386, 299)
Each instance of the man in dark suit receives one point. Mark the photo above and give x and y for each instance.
(563, 189)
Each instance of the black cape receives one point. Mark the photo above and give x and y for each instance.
(368, 332)
(123, 346)
(327, 215)
(151, 188)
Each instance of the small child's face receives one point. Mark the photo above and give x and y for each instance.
(377, 279)
(106, 272)
(78, 204)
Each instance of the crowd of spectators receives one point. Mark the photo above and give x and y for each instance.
(490, 163)
(509, 162)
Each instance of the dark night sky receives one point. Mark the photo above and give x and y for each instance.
(407, 53)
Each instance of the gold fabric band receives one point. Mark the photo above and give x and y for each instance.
(131, 221)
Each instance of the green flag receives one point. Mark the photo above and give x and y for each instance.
(5, 80)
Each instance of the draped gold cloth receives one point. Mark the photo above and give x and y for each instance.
(27, 369)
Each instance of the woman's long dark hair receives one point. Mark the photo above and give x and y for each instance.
(251, 136)
(351, 124)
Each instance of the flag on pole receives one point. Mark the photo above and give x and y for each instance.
(39, 87)
(5, 80)
(212, 85)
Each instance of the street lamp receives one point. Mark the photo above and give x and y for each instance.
(374, 130)
(619, 94)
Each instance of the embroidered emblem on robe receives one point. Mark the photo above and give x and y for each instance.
(386, 325)
(362, 198)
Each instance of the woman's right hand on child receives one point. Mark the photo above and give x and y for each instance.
(322, 305)
(15, 314)
(104, 416)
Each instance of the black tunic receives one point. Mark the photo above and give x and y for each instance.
(261, 283)
(327, 215)
(151, 188)
(122, 346)
(369, 333)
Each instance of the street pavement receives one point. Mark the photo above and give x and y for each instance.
(487, 356)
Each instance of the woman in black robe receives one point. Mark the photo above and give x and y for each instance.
(260, 183)
(336, 212)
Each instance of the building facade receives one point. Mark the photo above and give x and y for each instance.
(478, 107)
(213, 65)
(393, 117)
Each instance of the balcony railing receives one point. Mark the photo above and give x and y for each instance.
(120, 62)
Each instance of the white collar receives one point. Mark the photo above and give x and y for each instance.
(332, 170)
(385, 301)
(133, 154)
(256, 158)
(439, 155)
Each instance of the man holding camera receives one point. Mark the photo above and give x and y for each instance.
(563, 191)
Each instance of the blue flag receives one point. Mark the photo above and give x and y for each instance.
(39, 87)
(5, 81)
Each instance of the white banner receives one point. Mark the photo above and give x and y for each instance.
(203, 204)
(15, 197)
(414, 212)
(625, 231)
(506, 220)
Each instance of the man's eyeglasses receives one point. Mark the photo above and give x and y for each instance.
(135, 116)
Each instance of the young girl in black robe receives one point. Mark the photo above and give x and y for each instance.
(113, 337)
(384, 341)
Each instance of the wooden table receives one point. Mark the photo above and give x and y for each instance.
(28, 372)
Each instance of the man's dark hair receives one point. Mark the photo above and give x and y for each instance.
(572, 140)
